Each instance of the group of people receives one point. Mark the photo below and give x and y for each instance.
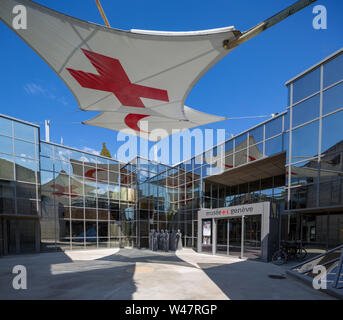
(165, 240)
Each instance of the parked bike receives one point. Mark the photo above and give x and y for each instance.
(289, 250)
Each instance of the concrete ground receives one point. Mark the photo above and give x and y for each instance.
(142, 274)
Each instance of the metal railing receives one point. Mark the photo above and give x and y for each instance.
(338, 272)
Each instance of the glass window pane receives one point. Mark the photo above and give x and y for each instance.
(286, 120)
(25, 170)
(256, 152)
(256, 135)
(228, 148)
(46, 149)
(273, 127)
(304, 172)
(77, 230)
(285, 143)
(24, 149)
(46, 163)
(27, 207)
(62, 154)
(289, 95)
(332, 132)
(305, 141)
(6, 126)
(274, 145)
(6, 145)
(7, 206)
(307, 85)
(306, 111)
(24, 131)
(241, 142)
(47, 179)
(90, 230)
(6, 189)
(240, 157)
(333, 71)
(26, 190)
(6, 167)
(333, 99)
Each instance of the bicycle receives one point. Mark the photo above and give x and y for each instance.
(288, 250)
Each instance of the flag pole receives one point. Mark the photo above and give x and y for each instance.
(101, 10)
(247, 35)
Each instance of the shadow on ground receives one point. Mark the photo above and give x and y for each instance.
(56, 276)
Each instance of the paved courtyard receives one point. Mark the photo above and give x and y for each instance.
(142, 274)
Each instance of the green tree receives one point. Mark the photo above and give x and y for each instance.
(104, 151)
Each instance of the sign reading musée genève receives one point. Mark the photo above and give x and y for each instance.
(246, 209)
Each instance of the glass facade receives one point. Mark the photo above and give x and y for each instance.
(314, 207)
(88, 201)
(19, 186)
(54, 197)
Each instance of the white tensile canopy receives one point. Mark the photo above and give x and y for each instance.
(130, 75)
(121, 121)
(127, 75)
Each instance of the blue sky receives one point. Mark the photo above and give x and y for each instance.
(248, 81)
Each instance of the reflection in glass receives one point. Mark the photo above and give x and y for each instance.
(303, 197)
(286, 120)
(241, 142)
(91, 230)
(304, 172)
(5, 126)
(274, 146)
(256, 134)
(103, 229)
(256, 152)
(24, 131)
(27, 207)
(333, 71)
(333, 99)
(24, 149)
(332, 132)
(6, 167)
(46, 149)
(240, 157)
(306, 85)
(235, 232)
(7, 206)
(26, 190)
(305, 141)
(46, 163)
(6, 189)
(77, 230)
(6, 145)
(25, 169)
(306, 111)
(252, 236)
(273, 127)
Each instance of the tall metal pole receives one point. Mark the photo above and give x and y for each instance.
(102, 12)
(295, 7)
(47, 130)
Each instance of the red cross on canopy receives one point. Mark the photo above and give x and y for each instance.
(113, 78)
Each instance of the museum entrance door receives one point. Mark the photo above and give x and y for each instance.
(229, 240)
(235, 236)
